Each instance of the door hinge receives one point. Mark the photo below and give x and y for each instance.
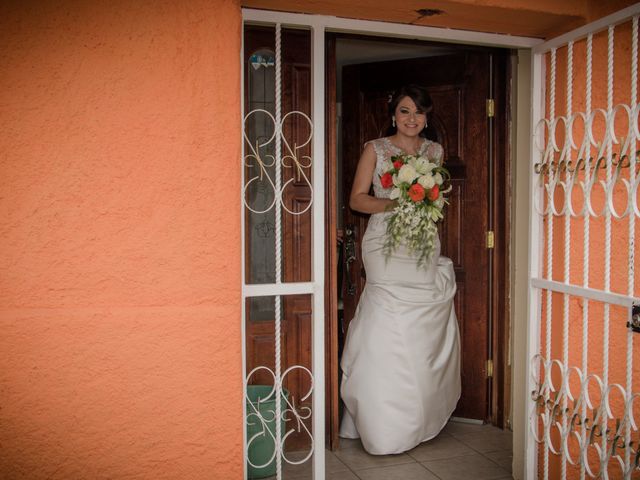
(490, 239)
(491, 108)
(489, 368)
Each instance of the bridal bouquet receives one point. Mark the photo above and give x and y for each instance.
(419, 187)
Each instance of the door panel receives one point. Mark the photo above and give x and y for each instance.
(459, 86)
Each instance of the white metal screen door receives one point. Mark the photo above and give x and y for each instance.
(283, 251)
(584, 325)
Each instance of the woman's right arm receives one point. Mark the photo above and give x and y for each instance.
(360, 199)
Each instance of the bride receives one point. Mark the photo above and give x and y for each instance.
(401, 361)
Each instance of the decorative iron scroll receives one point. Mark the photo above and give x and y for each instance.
(587, 430)
(293, 414)
(257, 158)
(562, 162)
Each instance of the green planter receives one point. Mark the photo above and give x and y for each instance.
(262, 447)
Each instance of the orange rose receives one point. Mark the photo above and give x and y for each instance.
(386, 180)
(434, 192)
(416, 192)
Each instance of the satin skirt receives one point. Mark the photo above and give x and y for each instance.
(401, 361)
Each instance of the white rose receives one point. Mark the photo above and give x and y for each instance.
(438, 178)
(407, 174)
(427, 181)
(422, 165)
(395, 193)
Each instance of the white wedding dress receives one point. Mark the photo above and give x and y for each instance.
(401, 361)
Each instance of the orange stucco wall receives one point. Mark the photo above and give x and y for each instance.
(120, 240)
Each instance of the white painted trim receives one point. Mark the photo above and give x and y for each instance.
(243, 324)
(318, 246)
(593, 27)
(272, 289)
(611, 298)
(535, 260)
(388, 29)
(520, 239)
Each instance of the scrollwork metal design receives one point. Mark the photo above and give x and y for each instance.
(559, 175)
(292, 413)
(587, 431)
(256, 158)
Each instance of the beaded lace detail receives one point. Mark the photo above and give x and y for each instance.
(385, 149)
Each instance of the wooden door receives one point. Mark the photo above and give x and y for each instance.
(459, 86)
(259, 45)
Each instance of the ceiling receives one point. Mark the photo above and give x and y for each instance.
(529, 18)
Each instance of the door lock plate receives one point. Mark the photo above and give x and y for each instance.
(634, 324)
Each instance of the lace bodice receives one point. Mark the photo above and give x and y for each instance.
(385, 149)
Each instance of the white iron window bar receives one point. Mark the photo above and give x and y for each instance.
(585, 418)
(263, 162)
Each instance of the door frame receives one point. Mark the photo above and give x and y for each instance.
(498, 211)
(319, 25)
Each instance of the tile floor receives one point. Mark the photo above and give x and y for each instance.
(461, 451)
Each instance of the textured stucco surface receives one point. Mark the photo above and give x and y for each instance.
(120, 240)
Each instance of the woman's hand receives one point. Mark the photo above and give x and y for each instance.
(391, 205)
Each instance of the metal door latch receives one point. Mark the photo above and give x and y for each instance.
(634, 324)
(350, 254)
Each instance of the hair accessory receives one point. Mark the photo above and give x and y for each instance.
(390, 98)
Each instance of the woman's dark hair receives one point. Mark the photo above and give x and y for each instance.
(418, 94)
(420, 97)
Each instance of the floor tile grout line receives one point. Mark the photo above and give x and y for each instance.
(491, 460)
(481, 453)
(483, 456)
(496, 463)
(431, 472)
(446, 458)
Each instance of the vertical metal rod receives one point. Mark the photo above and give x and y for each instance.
(607, 240)
(567, 257)
(586, 246)
(278, 248)
(549, 310)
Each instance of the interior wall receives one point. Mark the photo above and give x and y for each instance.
(120, 352)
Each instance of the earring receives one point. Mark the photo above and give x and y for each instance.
(393, 121)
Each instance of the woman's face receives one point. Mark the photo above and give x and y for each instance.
(410, 120)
